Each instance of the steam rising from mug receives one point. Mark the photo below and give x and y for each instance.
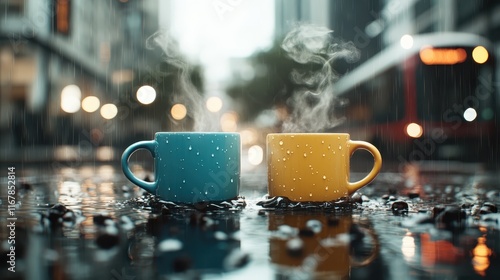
(315, 49)
(186, 93)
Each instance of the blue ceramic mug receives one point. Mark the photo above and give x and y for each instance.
(191, 167)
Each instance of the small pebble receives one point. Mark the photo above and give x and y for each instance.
(413, 195)
(101, 220)
(453, 217)
(437, 210)
(399, 208)
(107, 240)
(356, 197)
(488, 208)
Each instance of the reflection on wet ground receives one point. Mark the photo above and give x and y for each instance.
(88, 222)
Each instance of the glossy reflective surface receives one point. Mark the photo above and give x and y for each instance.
(89, 222)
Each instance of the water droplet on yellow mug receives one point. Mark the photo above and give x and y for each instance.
(281, 143)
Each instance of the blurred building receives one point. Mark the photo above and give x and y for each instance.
(374, 24)
(94, 47)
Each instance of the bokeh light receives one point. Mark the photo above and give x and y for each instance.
(470, 114)
(229, 121)
(214, 104)
(414, 130)
(255, 155)
(146, 95)
(109, 111)
(406, 41)
(480, 54)
(70, 99)
(90, 104)
(178, 111)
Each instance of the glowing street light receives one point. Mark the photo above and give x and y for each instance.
(146, 94)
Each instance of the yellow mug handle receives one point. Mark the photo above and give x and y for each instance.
(377, 164)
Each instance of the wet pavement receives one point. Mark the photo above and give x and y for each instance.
(87, 221)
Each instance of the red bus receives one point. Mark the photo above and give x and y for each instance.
(430, 97)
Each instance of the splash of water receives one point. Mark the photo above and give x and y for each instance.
(315, 50)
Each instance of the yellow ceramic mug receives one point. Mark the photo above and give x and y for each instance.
(314, 166)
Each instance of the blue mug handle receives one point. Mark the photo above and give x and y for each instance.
(148, 145)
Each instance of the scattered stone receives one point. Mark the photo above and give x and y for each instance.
(58, 215)
(488, 208)
(356, 197)
(101, 219)
(437, 210)
(413, 195)
(451, 218)
(107, 240)
(399, 208)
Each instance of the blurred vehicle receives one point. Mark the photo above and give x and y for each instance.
(428, 97)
